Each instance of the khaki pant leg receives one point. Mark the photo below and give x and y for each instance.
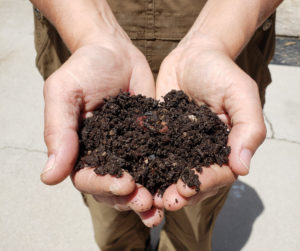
(51, 50)
(116, 231)
(191, 228)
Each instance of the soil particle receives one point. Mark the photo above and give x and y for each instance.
(156, 142)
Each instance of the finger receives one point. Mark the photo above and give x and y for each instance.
(166, 79)
(248, 129)
(142, 81)
(211, 178)
(215, 177)
(173, 201)
(140, 200)
(184, 190)
(152, 217)
(62, 109)
(158, 201)
(87, 181)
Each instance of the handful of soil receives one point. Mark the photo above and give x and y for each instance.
(156, 142)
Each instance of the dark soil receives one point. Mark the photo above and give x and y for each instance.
(156, 142)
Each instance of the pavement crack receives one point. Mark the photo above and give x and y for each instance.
(268, 121)
(273, 137)
(21, 149)
(284, 140)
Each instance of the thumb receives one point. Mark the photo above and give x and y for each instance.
(166, 79)
(142, 81)
(62, 110)
(248, 128)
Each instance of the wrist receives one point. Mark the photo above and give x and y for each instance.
(82, 22)
(104, 37)
(99, 27)
(204, 42)
(219, 38)
(229, 25)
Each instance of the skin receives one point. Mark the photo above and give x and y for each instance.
(104, 61)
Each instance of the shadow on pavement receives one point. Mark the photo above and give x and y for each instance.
(234, 224)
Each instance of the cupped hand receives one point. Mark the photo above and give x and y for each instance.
(92, 73)
(209, 76)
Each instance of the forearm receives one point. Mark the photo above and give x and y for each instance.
(230, 24)
(81, 21)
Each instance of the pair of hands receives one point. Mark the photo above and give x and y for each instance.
(200, 69)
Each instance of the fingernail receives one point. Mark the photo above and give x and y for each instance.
(50, 164)
(245, 158)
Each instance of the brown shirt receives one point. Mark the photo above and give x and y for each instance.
(155, 27)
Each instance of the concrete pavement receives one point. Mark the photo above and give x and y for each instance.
(261, 212)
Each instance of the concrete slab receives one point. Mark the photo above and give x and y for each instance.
(288, 19)
(21, 85)
(283, 102)
(37, 217)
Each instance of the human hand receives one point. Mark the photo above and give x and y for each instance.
(94, 72)
(209, 76)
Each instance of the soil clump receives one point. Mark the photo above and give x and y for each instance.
(156, 142)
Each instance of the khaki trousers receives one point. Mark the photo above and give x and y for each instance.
(156, 27)
(187, 229)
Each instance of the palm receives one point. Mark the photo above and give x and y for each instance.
(208, 77)
(94, 73)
